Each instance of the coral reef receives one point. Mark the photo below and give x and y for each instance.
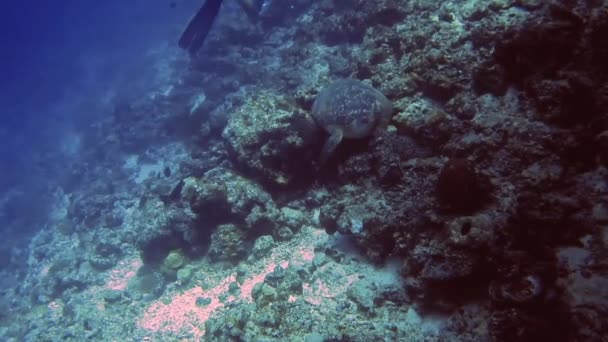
(478, 213)
(265, 134)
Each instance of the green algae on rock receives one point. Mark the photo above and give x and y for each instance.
(174, 260)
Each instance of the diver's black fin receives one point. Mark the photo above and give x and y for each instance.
(195, 33)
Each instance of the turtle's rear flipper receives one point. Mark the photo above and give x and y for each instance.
(330, 145)
(195, 33)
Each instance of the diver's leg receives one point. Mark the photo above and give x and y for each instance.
(195, 33)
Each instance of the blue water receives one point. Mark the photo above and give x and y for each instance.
(64, 65)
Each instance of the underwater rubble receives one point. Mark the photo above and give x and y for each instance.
(479, 214)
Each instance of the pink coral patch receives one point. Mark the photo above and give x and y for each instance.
(119, 276)
(182, 315)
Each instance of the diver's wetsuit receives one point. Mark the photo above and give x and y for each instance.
(198, 28)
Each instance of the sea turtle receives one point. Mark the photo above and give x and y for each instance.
(349, 108)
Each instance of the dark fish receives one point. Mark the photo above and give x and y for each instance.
(252, 8)
(174, 195)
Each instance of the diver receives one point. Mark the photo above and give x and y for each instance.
(198, 28)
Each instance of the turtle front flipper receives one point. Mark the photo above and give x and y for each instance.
(330, 145)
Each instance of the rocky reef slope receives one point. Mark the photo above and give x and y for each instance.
(479, 214)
